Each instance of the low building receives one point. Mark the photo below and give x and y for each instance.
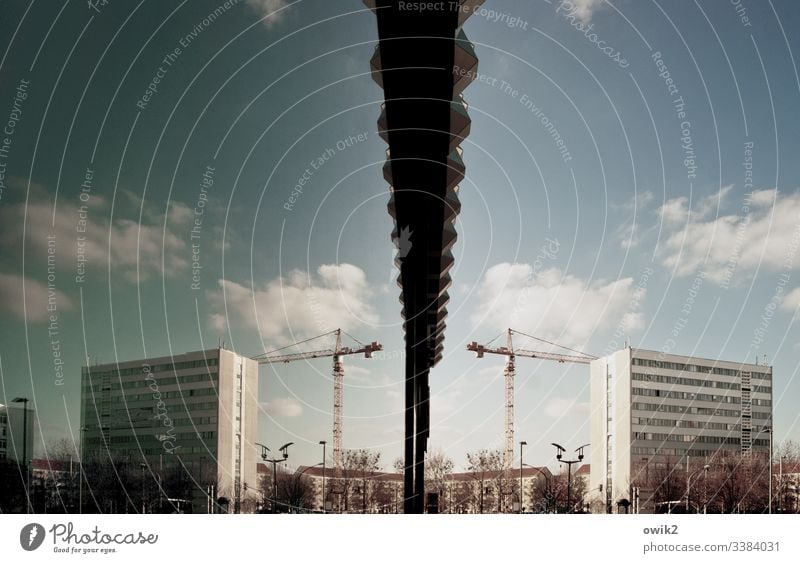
(382, 493)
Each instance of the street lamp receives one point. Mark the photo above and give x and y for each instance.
(768, 430)
(543, 474)
(284, 449)
(24, 401)
(521, 495)
(323, 444)
(569, 462)
(689, 484)
(143, 466)
(297, 481)
(80, 472)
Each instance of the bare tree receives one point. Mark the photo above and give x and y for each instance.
(484, 466)
(437, 469)
(360, 469)
(295, 493)
(667, 483)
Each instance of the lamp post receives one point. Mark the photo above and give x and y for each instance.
(689, 483)
(24, 401)
(542, 473)
(768, 430)
(275, 461)
(80, 471)
(569, 462)
(297, 481)
(323, 444)
(521, 495)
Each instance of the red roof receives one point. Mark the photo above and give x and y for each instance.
(583, 469)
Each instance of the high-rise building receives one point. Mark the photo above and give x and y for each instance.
(191, 416)
(651, 411)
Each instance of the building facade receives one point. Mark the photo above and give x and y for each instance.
(192, 416)
(653, 412)
(12, 432)
(377, 492)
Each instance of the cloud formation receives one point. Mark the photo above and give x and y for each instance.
(267, 7)
(555, 306)
(283, 406)
(582, 9)
(135, 248)
(764, 233)
(300, 305)
(37, 297)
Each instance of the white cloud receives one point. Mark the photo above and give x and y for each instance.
(283, 406)
(134, 245)
(267, 7)
(791, 302)
(582, 9)
(557, 407)
(298, 306)
(36, 298)
(765, 233)
(554, 306)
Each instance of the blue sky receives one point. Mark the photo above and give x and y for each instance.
(644, 233)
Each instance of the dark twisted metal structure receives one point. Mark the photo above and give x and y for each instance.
(423, 62)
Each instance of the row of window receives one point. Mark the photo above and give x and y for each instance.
(142, 370)
(695, 368)
(685, 395)
(163, 381)
(687, 410)
(181, 451)
(677, 452)
(197, 421)
(686, 438)
(683, 381)
(684, 423)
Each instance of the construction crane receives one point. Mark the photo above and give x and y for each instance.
(509, 371)
(337, 352)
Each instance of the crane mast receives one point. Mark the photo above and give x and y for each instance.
(510, 371)
(337, 352)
